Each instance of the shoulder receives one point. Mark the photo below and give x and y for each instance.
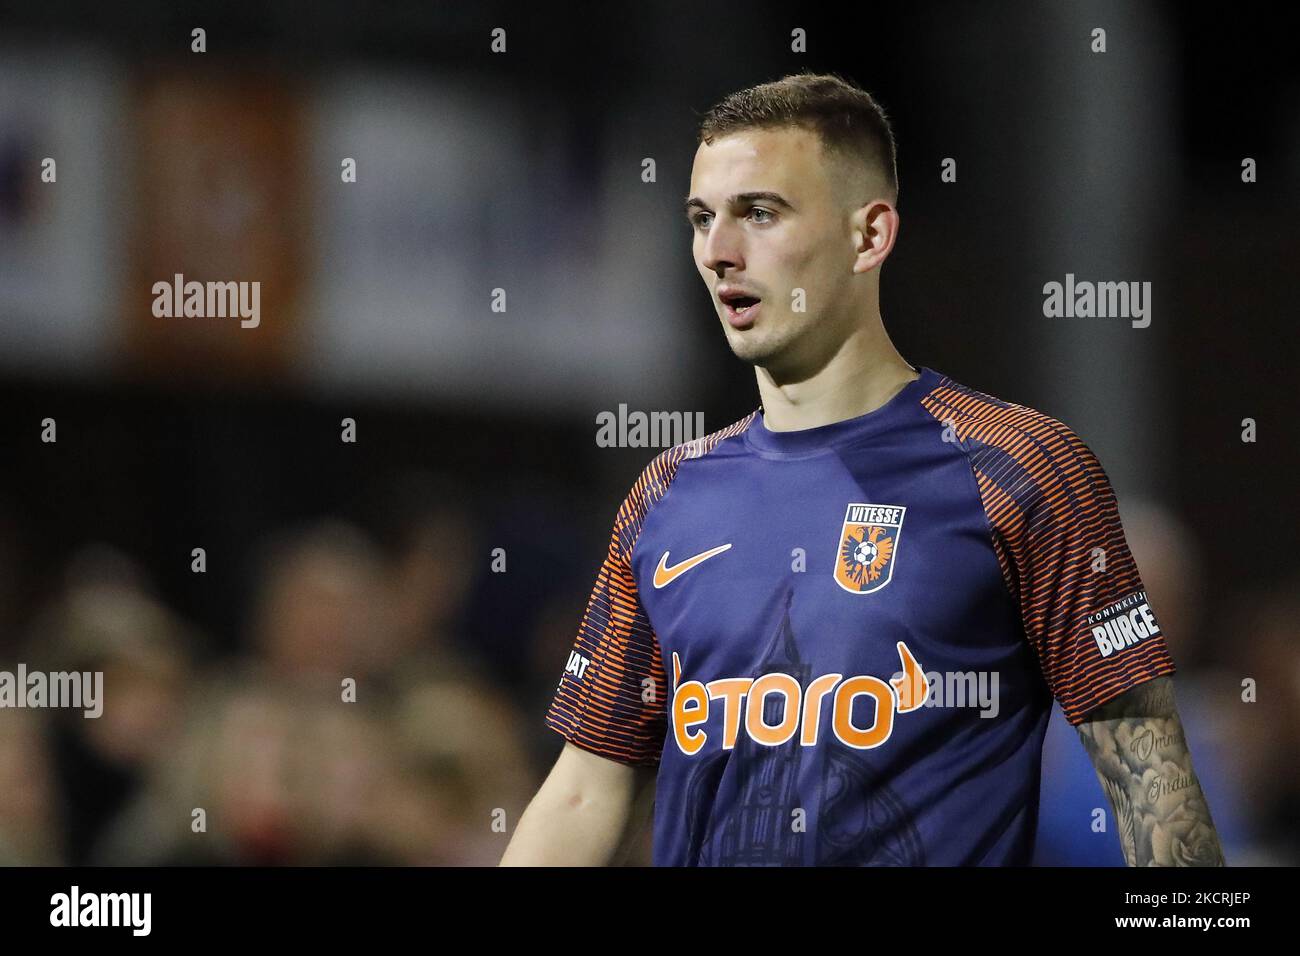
(1024, 450)
(657, 476)
(662, 469)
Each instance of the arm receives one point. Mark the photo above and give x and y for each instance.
(606, 706)
(1139, 750)
(588, 812)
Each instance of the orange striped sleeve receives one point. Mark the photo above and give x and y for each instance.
(1056, 531)
(611, 697)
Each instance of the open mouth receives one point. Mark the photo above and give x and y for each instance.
(739, 307)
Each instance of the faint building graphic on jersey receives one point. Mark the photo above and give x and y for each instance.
(861, 822)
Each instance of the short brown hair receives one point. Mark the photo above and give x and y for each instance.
(845, 117)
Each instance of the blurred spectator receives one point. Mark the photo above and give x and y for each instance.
(105, 620)
(465, 743)
(30, 808)
(1264, 631)
(280, 777)
(321, 613)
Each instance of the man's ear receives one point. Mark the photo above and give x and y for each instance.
(875, 229)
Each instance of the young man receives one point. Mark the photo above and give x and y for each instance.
(830, 633)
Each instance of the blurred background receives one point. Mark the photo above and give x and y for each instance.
(522, 171)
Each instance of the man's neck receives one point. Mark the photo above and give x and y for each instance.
(858, 379)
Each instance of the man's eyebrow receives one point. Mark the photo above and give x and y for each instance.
(694, 202)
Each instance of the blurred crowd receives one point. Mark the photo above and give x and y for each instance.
(255, 751)
(249, 749)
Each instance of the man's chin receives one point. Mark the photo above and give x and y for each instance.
(751, 349)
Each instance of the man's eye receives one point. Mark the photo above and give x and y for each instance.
(701, 218)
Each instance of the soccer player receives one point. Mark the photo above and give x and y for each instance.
(831, 632)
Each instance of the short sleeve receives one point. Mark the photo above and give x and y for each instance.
(610, 698)
(1082, 602)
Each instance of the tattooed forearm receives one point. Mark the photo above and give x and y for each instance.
(1137, 745)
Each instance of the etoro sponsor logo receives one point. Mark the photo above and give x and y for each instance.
(743, 699)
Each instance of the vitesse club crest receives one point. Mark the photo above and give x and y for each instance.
(868, 547)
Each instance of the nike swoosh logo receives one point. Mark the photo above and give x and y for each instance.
(665, 575)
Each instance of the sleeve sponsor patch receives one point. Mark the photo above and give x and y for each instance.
(1122, 624)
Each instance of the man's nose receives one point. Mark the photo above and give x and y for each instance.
(722, 247)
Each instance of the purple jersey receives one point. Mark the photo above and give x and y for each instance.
(840, 645)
